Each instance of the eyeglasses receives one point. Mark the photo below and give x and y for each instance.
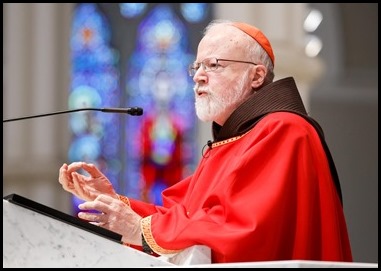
(211, 64)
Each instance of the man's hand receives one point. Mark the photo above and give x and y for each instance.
(85, 187)
(113, 215)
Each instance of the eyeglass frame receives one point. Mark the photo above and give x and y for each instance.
(192, 69)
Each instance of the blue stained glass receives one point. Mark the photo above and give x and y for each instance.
(84, 148)
(157, 80)
(84, 96)
(194, 12)
(90, 29)
(131, 10)
(95, 84)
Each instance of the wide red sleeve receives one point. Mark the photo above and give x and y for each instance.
(174, 195)
(268, 195)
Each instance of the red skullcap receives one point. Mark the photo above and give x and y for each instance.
(256, 34)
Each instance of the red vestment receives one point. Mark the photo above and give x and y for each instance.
(262, 196)
(161, 152)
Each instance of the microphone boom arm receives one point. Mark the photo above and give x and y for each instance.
(134, 111)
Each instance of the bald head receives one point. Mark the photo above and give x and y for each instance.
(222, 39)
(247, 41)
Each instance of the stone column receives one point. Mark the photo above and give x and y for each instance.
(35, 81)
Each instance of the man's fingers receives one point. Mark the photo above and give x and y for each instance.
(106, 199)
(75, 166)
(62, 173)
(95, 217)
(92, 170)
(64, 178)
(94, 205)
(78, 186)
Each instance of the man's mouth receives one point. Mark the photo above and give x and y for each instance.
(201, 92)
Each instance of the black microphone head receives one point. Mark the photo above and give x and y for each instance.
(137, 111)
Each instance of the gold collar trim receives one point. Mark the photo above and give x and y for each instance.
(229, 140)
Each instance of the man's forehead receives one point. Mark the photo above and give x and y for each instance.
(221, 43)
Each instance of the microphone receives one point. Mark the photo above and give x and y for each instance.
(134, 111)
(209, 143)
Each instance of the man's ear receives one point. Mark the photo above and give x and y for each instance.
(259, 75)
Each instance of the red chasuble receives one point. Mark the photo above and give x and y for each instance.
(263, 196)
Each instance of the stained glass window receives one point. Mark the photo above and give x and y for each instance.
(136, 54)
(161, 153)
(95, 84)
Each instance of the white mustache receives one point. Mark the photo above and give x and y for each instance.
(197, 88)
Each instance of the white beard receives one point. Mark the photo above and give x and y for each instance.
(215, 105)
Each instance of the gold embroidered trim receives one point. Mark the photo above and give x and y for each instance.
(145, 225)
(229, 140)
(124, 199)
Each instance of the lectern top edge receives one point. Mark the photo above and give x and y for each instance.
(69, 219)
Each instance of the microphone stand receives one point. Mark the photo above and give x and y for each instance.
(135, 111)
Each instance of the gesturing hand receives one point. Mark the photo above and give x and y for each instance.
(114, 215)
(85, 187)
